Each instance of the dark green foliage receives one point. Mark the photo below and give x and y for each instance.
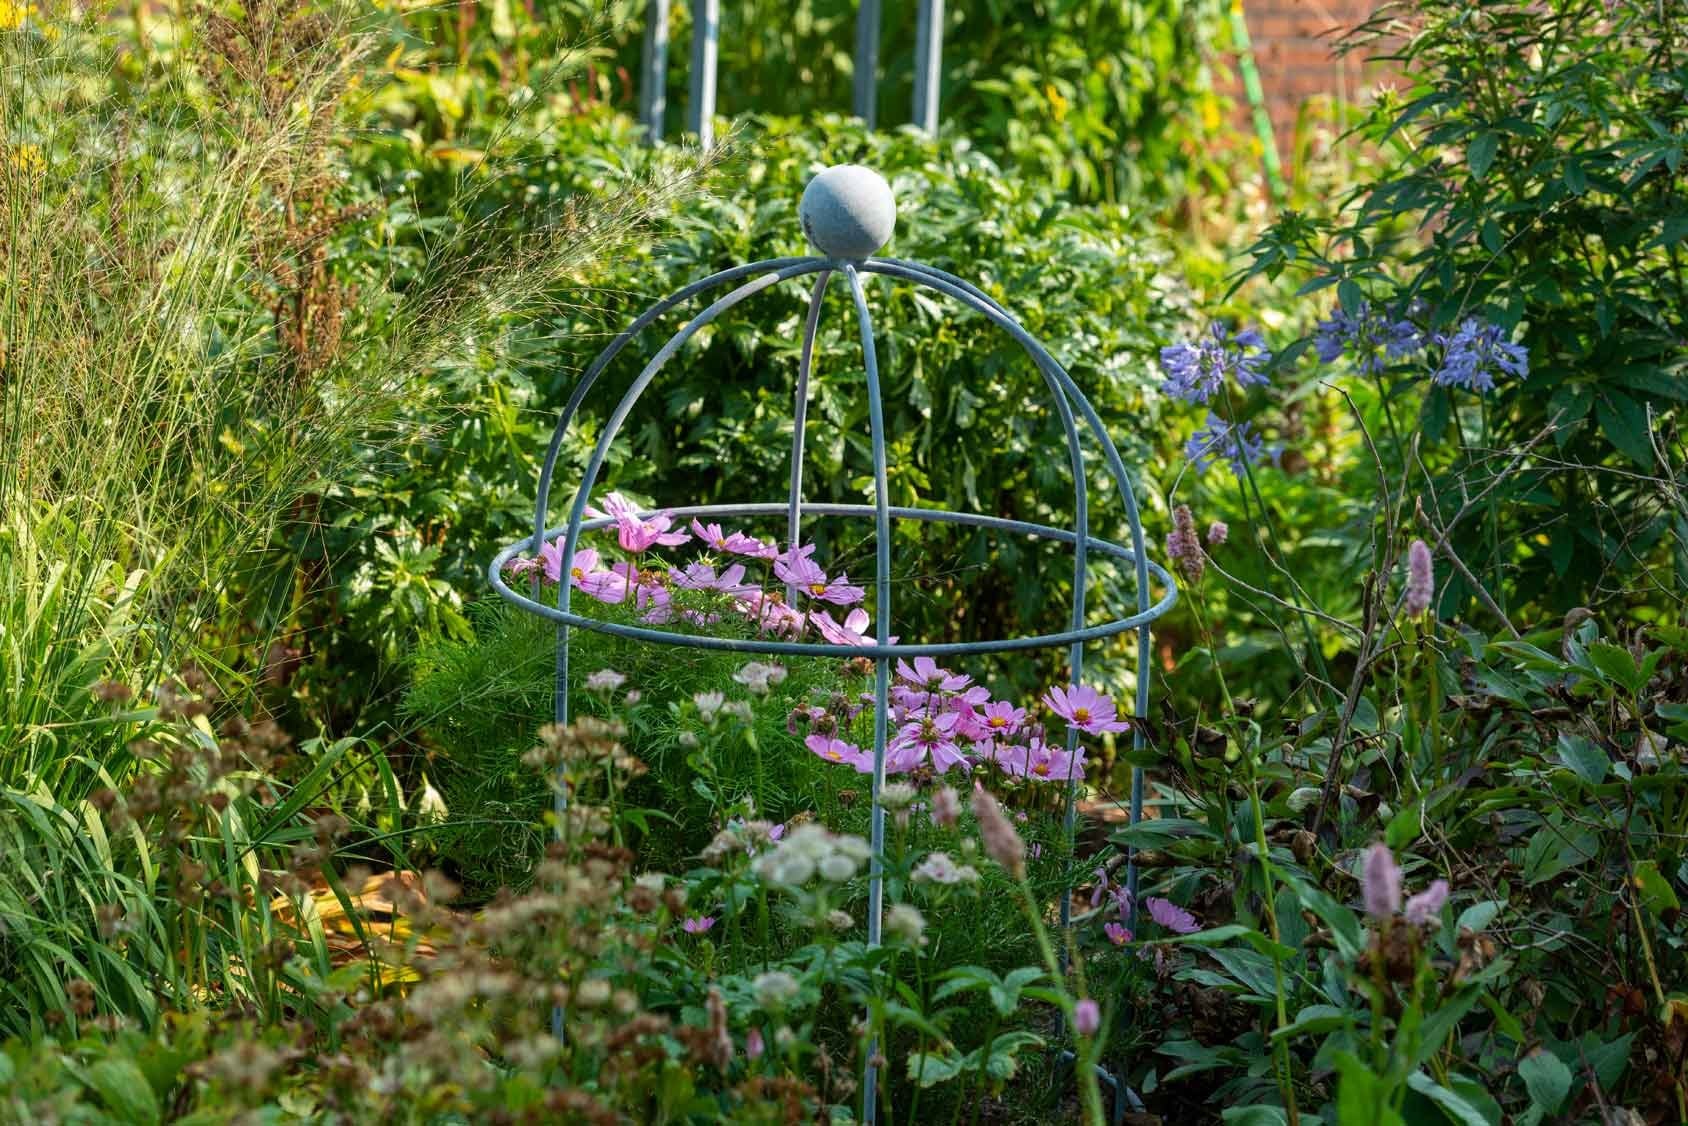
(1536, 180)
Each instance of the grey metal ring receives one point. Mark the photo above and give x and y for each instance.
(495, 574)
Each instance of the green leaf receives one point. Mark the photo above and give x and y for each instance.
(1451, 1104)
(1546, 1079)
(1255, 1116)
(1615, 664)
(1579, 754)
(1350, 295)
(1656, 893)
(1480, 154)
(929, 1069)
(1624, 422)
(124, 1090)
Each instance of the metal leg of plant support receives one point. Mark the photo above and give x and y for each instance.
(866, 60)
(653, 71)
(928, 63)
(706, 50)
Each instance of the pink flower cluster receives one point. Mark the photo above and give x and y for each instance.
(944, 720)
(651, 586)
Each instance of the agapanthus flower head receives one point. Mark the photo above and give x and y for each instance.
(1084, 709)
(1367, 334)
(1183, 547)
(1380, 882)
(1421, 579)
(1218, 440)
(1171, 916)
(1476, 352)
(1196, 371)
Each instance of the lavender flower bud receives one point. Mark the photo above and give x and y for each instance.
(1421, 581)
(1002, 843)
(1380, 882)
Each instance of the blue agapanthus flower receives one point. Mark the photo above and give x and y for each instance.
(1368, 335)
(1237, 445)
(1195, 372)
(1476, 352)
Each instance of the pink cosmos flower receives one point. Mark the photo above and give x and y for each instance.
(1041, 762)
(702, 576)
(1084, 709)
(933, 737)
(585, 573)
(854, 631)
(636, 533)
(1171, 916)
(771, 614)
(737, 543)
(927, 675)
(1002, 718)
(698, 924)
(1117, 934)
(837, 750)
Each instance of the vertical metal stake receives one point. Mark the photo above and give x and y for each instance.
(706, 49)
(867, 59)
(928, 63)
(653, 71)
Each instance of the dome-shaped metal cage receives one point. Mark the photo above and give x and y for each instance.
(847, 213)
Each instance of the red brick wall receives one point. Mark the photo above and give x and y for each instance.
(1294, 50)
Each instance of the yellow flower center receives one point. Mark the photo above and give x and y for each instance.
(578, 573)
(1082, 715)
(997, 721)
(1041, 768)
(817, 588)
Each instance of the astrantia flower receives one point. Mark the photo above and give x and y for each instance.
(1195, 372)
(1171, 916)
(605, 680)
(927, 675)
(837, 750)
(1084, 709)
(1426, 906)
(1475, 353)
(1116, 933)
(1421, 581)
(708, 703)
(1182, 546)
(698, 924)
(636, 533)
(758, 677)
(938, 868)
(1237, 445)
(1380, 882)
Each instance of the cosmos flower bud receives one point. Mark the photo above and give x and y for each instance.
(1087, 1017)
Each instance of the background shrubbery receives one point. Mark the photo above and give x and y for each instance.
(292, 296)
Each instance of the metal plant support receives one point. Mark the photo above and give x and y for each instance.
(848, 214)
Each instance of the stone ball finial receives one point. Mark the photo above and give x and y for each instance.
(848, 211)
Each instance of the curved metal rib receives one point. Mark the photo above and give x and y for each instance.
(799, 419)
